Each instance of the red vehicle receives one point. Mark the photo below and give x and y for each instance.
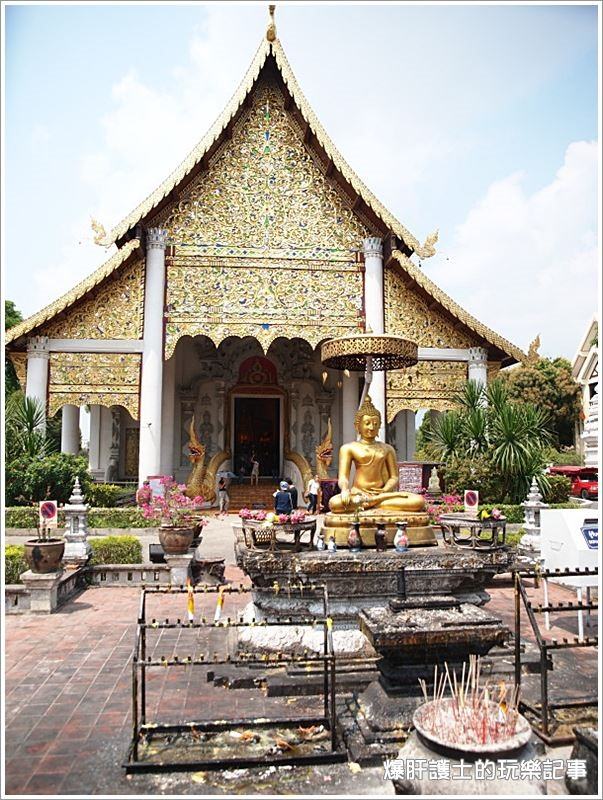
(584, 480)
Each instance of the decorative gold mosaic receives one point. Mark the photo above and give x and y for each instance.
(264, 190)
(113, 312)
(275, 49)
(311, 300)
(132, 450)
(105, 379)
(484, 333)
(429, 384)
(407, 314)
(19, 362)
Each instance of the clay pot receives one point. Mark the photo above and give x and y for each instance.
(380, 537)
(45, 555)
(354, 538)
(176, 541)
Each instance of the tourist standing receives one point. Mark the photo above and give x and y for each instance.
(312, 494)
(223, 497)
(255, 470)
(293, 493)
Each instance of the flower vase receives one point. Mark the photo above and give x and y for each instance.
(400, 538)
(320, 541)
(380, 537)
(354, 538)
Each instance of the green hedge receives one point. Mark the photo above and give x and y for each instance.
(103, 495)
(116, 550)
(14, 563)
(129, 517)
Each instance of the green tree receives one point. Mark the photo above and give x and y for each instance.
(548, 384)
(12, 316)
(493, 440)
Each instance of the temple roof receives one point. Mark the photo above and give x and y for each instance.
(126, 234)
(508, 352)
(70, 297)
(267, 50)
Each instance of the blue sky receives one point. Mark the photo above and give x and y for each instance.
(481, 121)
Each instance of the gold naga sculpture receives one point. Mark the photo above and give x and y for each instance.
(324, 453)
(100, 234)
(201, 480)
(374, 498)
(533, 355)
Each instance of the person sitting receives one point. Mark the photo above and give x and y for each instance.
(282, 499)
(376, 480)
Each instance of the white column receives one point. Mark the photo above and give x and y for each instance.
(37, 369)
(411, 434)
(152, 356)
(373, 306)
(70, 429)
(168, 417)
(478, 365)
(350, 397)
(94, 443)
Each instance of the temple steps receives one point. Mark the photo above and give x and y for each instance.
(246, 496)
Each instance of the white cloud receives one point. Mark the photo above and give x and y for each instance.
(528, 263)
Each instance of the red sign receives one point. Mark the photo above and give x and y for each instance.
(49, 513)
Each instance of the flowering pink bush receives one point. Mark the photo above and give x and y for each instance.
(447, 504)
(174, 507)
(283, 519)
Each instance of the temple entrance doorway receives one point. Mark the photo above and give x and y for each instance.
(257, 432)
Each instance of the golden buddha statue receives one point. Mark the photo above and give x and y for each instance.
(374, 496)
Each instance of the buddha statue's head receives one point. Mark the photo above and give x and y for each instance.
(368, 419)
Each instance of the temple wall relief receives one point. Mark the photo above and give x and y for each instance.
(263, 243)
(114, 310)
(106, 379)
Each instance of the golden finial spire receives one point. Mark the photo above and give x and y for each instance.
(271, 30)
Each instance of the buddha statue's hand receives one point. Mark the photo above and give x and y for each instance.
(345, 496)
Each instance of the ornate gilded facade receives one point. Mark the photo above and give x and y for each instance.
(264, 244)
(114, 311)
(104, 379)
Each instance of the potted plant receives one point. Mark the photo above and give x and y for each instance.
(177, 514)
(44, 554)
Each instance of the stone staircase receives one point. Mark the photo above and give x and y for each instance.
(246, 496)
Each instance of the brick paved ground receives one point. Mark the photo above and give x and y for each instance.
(67, 701)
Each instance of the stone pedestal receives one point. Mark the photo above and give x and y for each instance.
(180, 567)
(43, 590)
(586, 748)
(420, 533)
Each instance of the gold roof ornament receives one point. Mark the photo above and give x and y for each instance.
(271, 29)
(100, 234)
(533, 355)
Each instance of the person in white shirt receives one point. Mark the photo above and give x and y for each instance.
(312, 494)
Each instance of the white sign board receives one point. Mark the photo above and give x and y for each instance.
(570, 539)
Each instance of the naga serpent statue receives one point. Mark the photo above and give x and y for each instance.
(324, 453)
(202, 480)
